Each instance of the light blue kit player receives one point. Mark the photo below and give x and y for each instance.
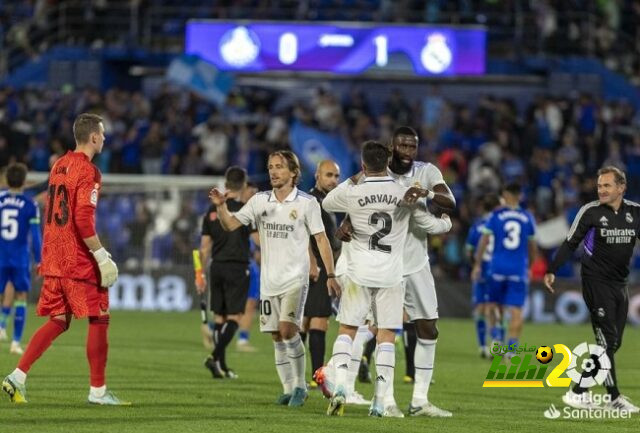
(482, 315)
(19, 216)
(514, 249)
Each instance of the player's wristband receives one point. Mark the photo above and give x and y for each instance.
(331, 276)
(431, 195)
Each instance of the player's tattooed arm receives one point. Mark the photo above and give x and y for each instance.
(414, 193)
(345, 231)
(443, 197)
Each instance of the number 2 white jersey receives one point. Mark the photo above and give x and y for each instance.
(380, 228)
(423, 175)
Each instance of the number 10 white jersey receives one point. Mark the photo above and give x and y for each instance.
(380, 224)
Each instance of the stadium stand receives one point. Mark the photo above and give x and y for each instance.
(546, 141)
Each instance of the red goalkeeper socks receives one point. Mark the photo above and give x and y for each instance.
(41, 341)
(97, 348)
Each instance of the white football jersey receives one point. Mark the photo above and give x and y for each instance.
(342, 264)
(284, 229)
(380, 224)
(423, 175)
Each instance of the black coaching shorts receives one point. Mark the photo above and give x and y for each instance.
(229, 287)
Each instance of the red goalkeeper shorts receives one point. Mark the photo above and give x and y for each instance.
(64, 295)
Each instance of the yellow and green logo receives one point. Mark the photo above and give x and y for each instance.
(515, 367)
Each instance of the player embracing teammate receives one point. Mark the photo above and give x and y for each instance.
(380, 224)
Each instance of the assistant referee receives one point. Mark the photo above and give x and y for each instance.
(609, 227)
(228, 273)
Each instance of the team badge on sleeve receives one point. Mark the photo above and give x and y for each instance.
(94, 197)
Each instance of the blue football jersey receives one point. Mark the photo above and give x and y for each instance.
(511, 229)
(19, 215)
(473, 239)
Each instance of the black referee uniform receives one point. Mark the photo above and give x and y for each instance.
(318, 301)
(229, 283)
(609, 239)
(229, 270)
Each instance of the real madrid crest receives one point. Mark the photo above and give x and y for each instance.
(629, 218)
(417, 184)
(293, 215)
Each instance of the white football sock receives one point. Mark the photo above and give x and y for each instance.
(424, 359)
(20, 376)
(385, 365)
(340, 357)
(98, 391)
(298, 360)
(283, 366)
(362, 337)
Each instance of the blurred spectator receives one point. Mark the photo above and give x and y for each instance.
(192, 163)
(153, 146)
(215, 145)
(138, 229)
(184, 230)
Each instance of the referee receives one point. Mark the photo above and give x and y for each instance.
(317, 309)
(609, 227)
(228, 273)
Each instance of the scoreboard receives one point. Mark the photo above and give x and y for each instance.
(340, 48)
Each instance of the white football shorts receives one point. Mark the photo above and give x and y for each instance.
(286, 307)
(420, 301)
(358, 302)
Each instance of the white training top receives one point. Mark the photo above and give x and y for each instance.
(423, 175)
(284, 230)
(380, 223)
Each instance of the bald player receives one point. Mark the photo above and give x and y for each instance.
(318, 307)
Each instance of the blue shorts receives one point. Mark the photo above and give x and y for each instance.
(254, 280)
(480, 292)
(20, 277)
(509, 292)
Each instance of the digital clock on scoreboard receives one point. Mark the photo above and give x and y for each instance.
(344, 48)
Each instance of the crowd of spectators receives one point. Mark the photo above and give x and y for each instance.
(553, 147)
(606, 28)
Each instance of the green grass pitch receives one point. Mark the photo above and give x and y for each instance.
(155, 360)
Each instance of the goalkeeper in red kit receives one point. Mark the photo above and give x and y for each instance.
(77, 270)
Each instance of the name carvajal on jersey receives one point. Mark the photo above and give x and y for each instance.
(618, 236)
(378, 198)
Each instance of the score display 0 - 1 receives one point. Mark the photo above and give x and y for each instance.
(340, 48)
